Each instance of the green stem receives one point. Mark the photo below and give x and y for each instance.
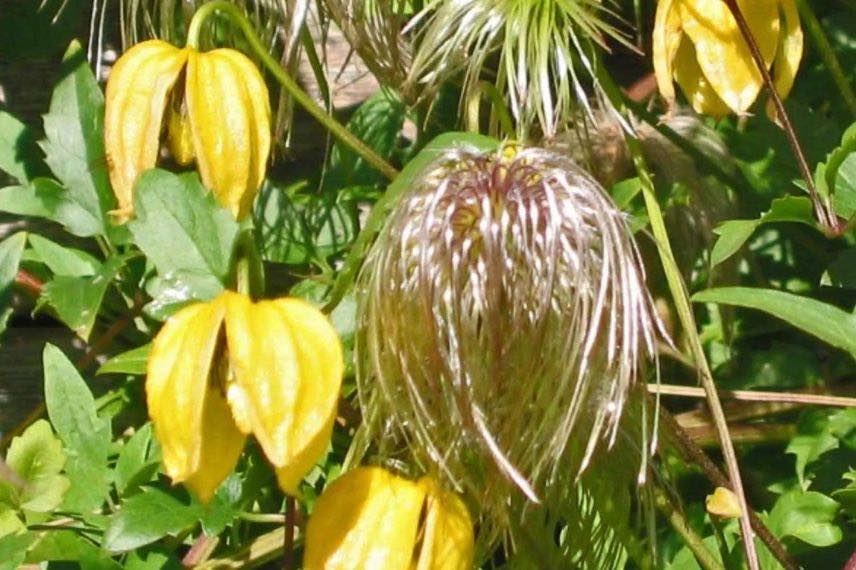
(703, 555)
(682, 304)
(336, 128)
(827, 54)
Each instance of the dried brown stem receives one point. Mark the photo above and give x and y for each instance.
(756, 396)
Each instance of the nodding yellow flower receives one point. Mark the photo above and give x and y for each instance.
(226, 127)
(698, 44)
(223, 369)
(370, 519)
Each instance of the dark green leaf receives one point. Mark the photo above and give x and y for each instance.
(63, 260)
(146, 517)
(826, 322)
(67, 545)
(842, 271)
(74, 144)
(180, 227)
(86, 437)
(179, 288)
(19, 155)
(77, 300)
(845, 188)
(846, 496)
(138, 460)
(814, 438)
(130, 362)
(11, 249)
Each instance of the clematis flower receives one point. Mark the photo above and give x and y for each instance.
(698, 44)
(370, 519)
(221, 119)
(503, 321)
(224, 369)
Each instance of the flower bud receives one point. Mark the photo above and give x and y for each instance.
(221, 370)
(370, 519)
(698, 44)
(226, 126)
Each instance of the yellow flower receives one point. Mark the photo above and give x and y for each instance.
(698, 44)
(370, 519)
(222, 120)
(221, 370)
(723, 503)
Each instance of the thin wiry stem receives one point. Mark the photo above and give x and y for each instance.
(823, 209)
(756, 396)
(694, 542)
(685, 315)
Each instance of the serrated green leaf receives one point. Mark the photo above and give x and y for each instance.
(63, 260)
(130, 362)
(11, 249)
(20, 157)
(45, 198)
(86, 437)
(74, 143)
(146, 517)
(37, 457)
(807, 516)
(180, 227)
(77, 300)
(826, 322)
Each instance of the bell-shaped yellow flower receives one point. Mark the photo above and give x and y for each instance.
(221, 370)
(698, 44)
(226, 127)
(370, 519)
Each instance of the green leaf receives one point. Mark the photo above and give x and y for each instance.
(807, 516)
(20, 157)
(842, 271)
(157, 560)
(846, 496)
(138, 461)
(845, 188)
(131, 362)
(63, 260)
(378, 123)
(11, 249)
(814, 438)
(74, 143)
(37, 457)
(67, 545)
(45, 198)
(77, 300)
(86, 437)
(13, 548)
(178, 289)
(146, 517)
(826, 322)
(180, 227)
(734, 233)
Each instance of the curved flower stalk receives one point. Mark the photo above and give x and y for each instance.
(698, 44)
(370, 519)
(503, 319)
(373, 28)
(223, 369)
(226, 127)
(545, 47)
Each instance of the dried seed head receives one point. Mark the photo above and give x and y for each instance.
(503, 320)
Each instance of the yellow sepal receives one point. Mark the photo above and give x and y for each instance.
(365, 520)
(666, 39)
(789, 53)
(179, 136)
(137, 95)
(229, 111)
(447, 532)
(695, 85)
(200, 441)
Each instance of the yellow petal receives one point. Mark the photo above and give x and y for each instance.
(723, 503)
(695, 86)
(136, 98)
(723, 54)
(229, 110)
(367, 520)
(789, 54)
(287, 368)
(666, 39)
(447, 535)
(187, 410)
